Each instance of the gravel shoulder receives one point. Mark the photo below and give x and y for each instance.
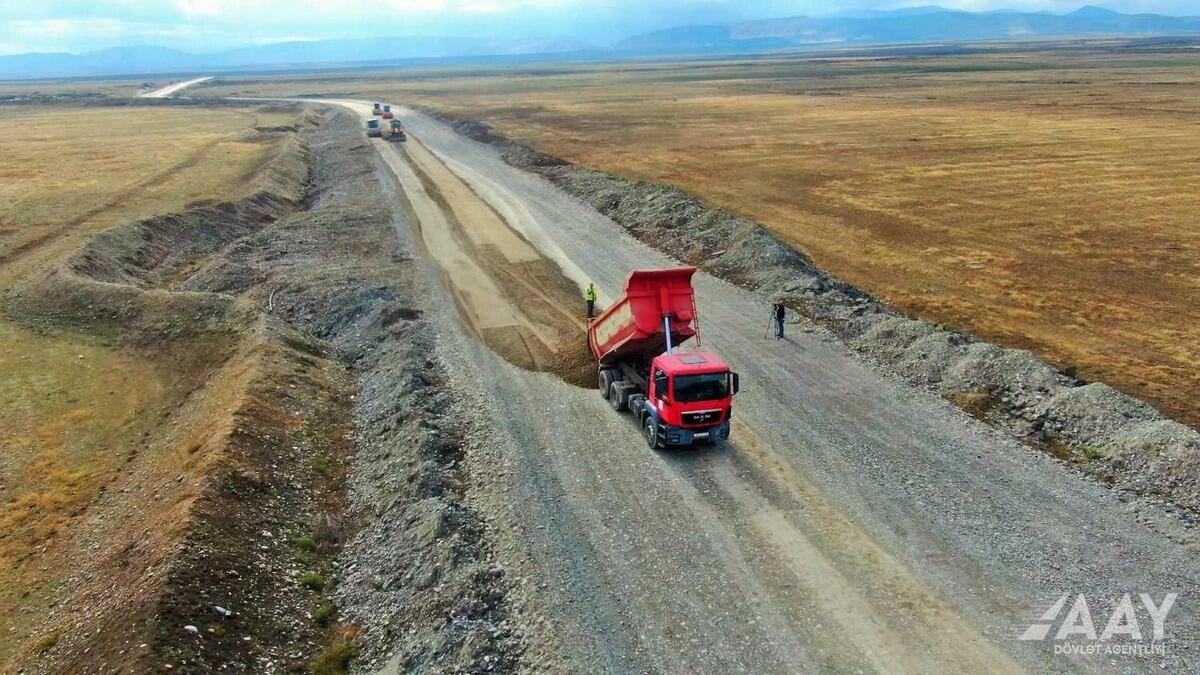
(855, 522)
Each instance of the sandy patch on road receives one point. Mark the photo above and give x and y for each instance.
(514, 300)
(512, 297)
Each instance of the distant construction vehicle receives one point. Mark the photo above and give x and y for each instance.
(378, 109)
(678, 398)
(397, 132)
(374, 130)
(387, 112)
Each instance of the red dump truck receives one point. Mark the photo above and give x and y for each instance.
(679, 398)
(378, 109)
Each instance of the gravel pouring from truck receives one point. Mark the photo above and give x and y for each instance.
(679, 398)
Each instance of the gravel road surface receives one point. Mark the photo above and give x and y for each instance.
(853, 524)
(165, 92)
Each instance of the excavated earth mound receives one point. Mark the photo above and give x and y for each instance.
(301, 502)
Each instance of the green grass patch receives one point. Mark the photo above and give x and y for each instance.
(335, 659)
(47, 642)
(325, 614)
(313, 581)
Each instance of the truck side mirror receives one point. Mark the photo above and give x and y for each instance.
(735, 382)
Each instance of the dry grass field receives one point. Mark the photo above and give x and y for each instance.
(1044, 197)
(76, 87)
(74, 406)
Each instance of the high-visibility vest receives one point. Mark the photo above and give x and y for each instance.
(590, 294)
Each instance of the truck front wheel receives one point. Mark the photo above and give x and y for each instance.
(651, 429)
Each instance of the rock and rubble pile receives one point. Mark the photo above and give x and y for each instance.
(415, 574)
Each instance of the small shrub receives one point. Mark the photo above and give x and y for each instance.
(335, 659)
(306, 549)
(977, 403)
(323, 466)
(324, 614)
(313, 582)
(47, 642)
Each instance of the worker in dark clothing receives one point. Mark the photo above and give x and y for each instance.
(780, 313)
(590, 296)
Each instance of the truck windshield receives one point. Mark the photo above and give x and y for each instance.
(706, 387)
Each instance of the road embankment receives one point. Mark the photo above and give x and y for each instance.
(178, 529)
(1122, 441)
(417, 587)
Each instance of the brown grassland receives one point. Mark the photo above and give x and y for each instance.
(1044, 196)
(77, 87)
(74, 405)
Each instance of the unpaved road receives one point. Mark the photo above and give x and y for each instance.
(170, 89)
(853, 524)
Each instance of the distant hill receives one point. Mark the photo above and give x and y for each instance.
(850, 27)
(913, 24)
(149, 60)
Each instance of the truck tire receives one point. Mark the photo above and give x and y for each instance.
(650, 429)
(607, 377)
(619, 395)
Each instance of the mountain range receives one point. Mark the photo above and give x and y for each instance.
(913, 24)
(854, 27)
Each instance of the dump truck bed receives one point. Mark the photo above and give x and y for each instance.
(633, 327)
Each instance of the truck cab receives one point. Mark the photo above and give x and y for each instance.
(689, 399)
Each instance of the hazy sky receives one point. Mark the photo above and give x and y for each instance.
(209, 25)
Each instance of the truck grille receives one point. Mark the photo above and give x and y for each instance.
(702, 417)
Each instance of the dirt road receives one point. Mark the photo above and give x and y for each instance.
(170, 89)
(852, 525)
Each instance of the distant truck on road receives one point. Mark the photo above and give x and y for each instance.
(678, 398)
(387, 112)
(374, 130)
(378, 109)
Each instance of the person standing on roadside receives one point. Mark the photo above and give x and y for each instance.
(780, 314)
(590, 296)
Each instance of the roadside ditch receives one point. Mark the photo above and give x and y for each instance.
(300, 505)
(413, 581)
(1113, 437)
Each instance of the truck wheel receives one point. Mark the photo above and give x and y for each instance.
(614, 396)
(607, 377)
(619, 396)
(651, 428)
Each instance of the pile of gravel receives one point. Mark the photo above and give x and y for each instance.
(416, 571)
(1124, 441)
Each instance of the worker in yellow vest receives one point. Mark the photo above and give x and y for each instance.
(590, 296)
